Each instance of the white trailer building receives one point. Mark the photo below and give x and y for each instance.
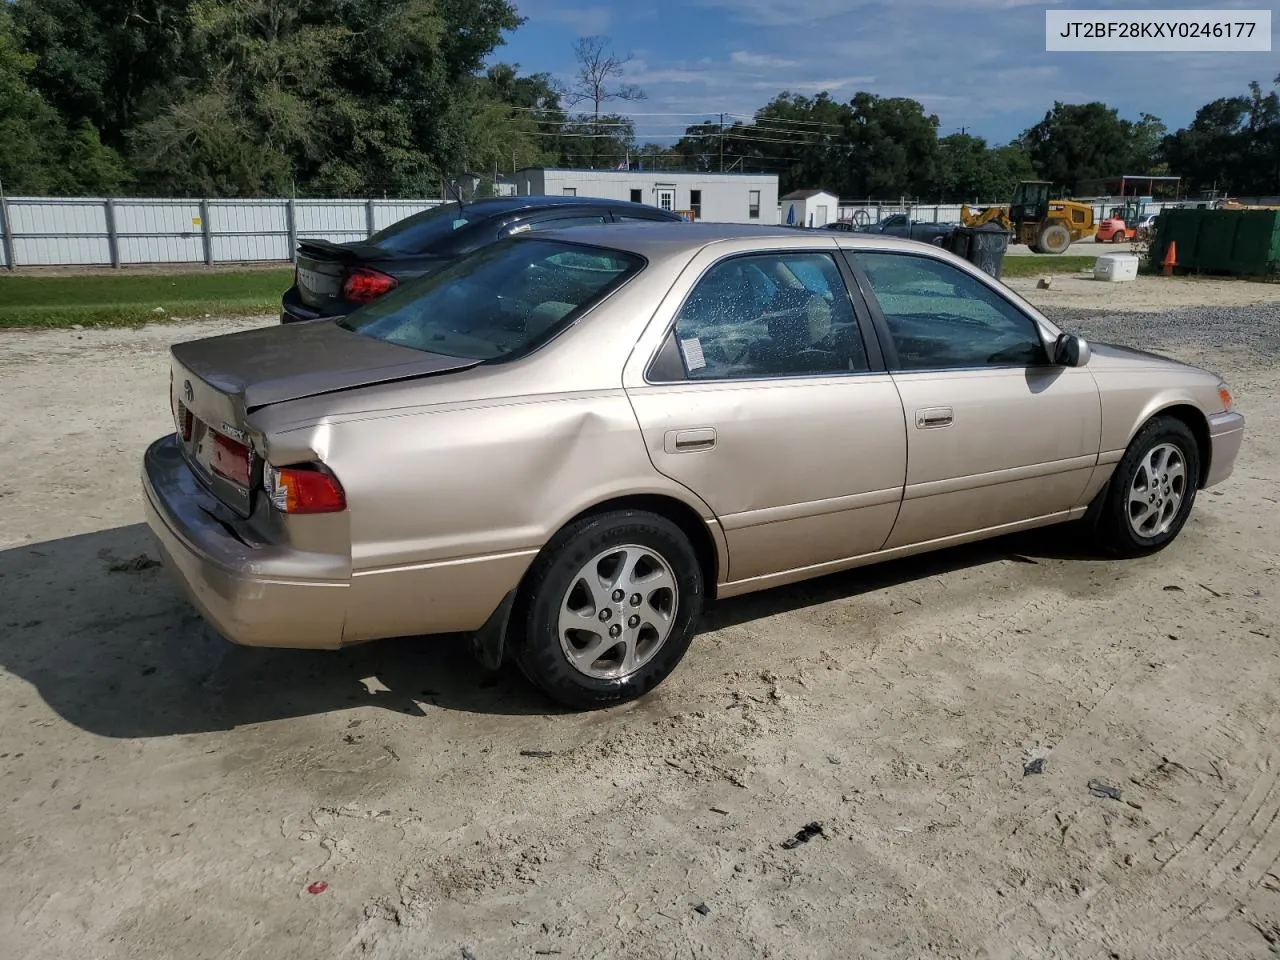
(715, 197)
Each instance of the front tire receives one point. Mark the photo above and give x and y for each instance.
(1149, 497)
(1054, 238)
(609, 608)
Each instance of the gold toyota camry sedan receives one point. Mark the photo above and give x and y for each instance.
(568, 443)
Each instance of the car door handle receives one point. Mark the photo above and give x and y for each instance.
(690, 441)
(929, 418)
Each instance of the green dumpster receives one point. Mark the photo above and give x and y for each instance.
(1235, 242)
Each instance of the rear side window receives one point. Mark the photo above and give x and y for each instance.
(423, 232)
(770, 315)
(500, 302)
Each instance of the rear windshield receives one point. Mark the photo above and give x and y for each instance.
(499, 302)
(424, 231)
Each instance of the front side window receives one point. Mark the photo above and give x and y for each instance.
(500, 302)
(940, 317)
(770, 315)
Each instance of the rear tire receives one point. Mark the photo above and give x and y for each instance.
(1147, 502)
(609, 609)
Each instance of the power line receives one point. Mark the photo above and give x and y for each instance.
(740, 137)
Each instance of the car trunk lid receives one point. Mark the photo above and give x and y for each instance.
(218, 381)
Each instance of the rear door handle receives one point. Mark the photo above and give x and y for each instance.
(691, 440)
(930, 418)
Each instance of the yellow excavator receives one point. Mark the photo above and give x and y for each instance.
(1045, 225)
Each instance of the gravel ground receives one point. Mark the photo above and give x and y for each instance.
(165, 794)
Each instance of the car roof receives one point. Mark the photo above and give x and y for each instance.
(665, 239)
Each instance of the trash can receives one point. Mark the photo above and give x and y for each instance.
(957, 242)
(983, 246)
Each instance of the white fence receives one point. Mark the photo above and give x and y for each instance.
(49, 232)
(41, 231)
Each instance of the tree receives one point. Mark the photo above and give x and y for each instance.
(608, 136)
(1232, 145)
(40, 154)
(970, 171)
(534, 118)
(111, 62)
(1144, 156)
(892, 147)
(331, 96)
(1077, 142)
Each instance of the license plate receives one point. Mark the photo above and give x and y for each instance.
(316, 282)
(202, 445)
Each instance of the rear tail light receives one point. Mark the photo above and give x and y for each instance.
(231, 460)
(364, 285)
(305, 488)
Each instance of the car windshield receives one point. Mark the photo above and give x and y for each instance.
(502, 301)
(422, 231)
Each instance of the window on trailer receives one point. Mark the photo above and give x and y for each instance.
(695, 203)
(570, 191)
(753, 205)
(637, 196)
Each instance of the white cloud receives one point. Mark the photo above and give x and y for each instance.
(746, 58)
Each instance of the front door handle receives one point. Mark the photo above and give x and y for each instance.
(930, 418)
(691, 440)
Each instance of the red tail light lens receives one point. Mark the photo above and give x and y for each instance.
(306, 488)
(364, 285)
(231, 460)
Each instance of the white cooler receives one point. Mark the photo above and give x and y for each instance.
(1116, 267)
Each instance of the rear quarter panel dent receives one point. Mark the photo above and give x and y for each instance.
(486, 479)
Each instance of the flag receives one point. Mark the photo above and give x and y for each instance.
(791, 215)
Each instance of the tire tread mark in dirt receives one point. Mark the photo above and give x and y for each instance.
(1216, 873)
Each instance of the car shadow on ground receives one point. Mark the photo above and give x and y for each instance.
(100, 632)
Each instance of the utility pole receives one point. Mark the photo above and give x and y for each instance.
(722, 143)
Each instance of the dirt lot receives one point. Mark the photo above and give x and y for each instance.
(165, 794)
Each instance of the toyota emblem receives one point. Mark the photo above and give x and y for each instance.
(187, 391)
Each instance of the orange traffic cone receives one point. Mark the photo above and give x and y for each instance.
(1170, 259)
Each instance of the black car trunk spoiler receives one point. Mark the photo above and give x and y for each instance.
(340, 252)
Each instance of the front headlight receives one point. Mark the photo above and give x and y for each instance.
(1224, 395)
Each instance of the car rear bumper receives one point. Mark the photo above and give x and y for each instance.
(252, 595)
(1226, 433)
(293, 310)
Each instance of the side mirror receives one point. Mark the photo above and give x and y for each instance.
(1070, 351)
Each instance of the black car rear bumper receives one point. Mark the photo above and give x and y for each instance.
(293, 310)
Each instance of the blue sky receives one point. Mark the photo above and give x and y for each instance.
(977, 64)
